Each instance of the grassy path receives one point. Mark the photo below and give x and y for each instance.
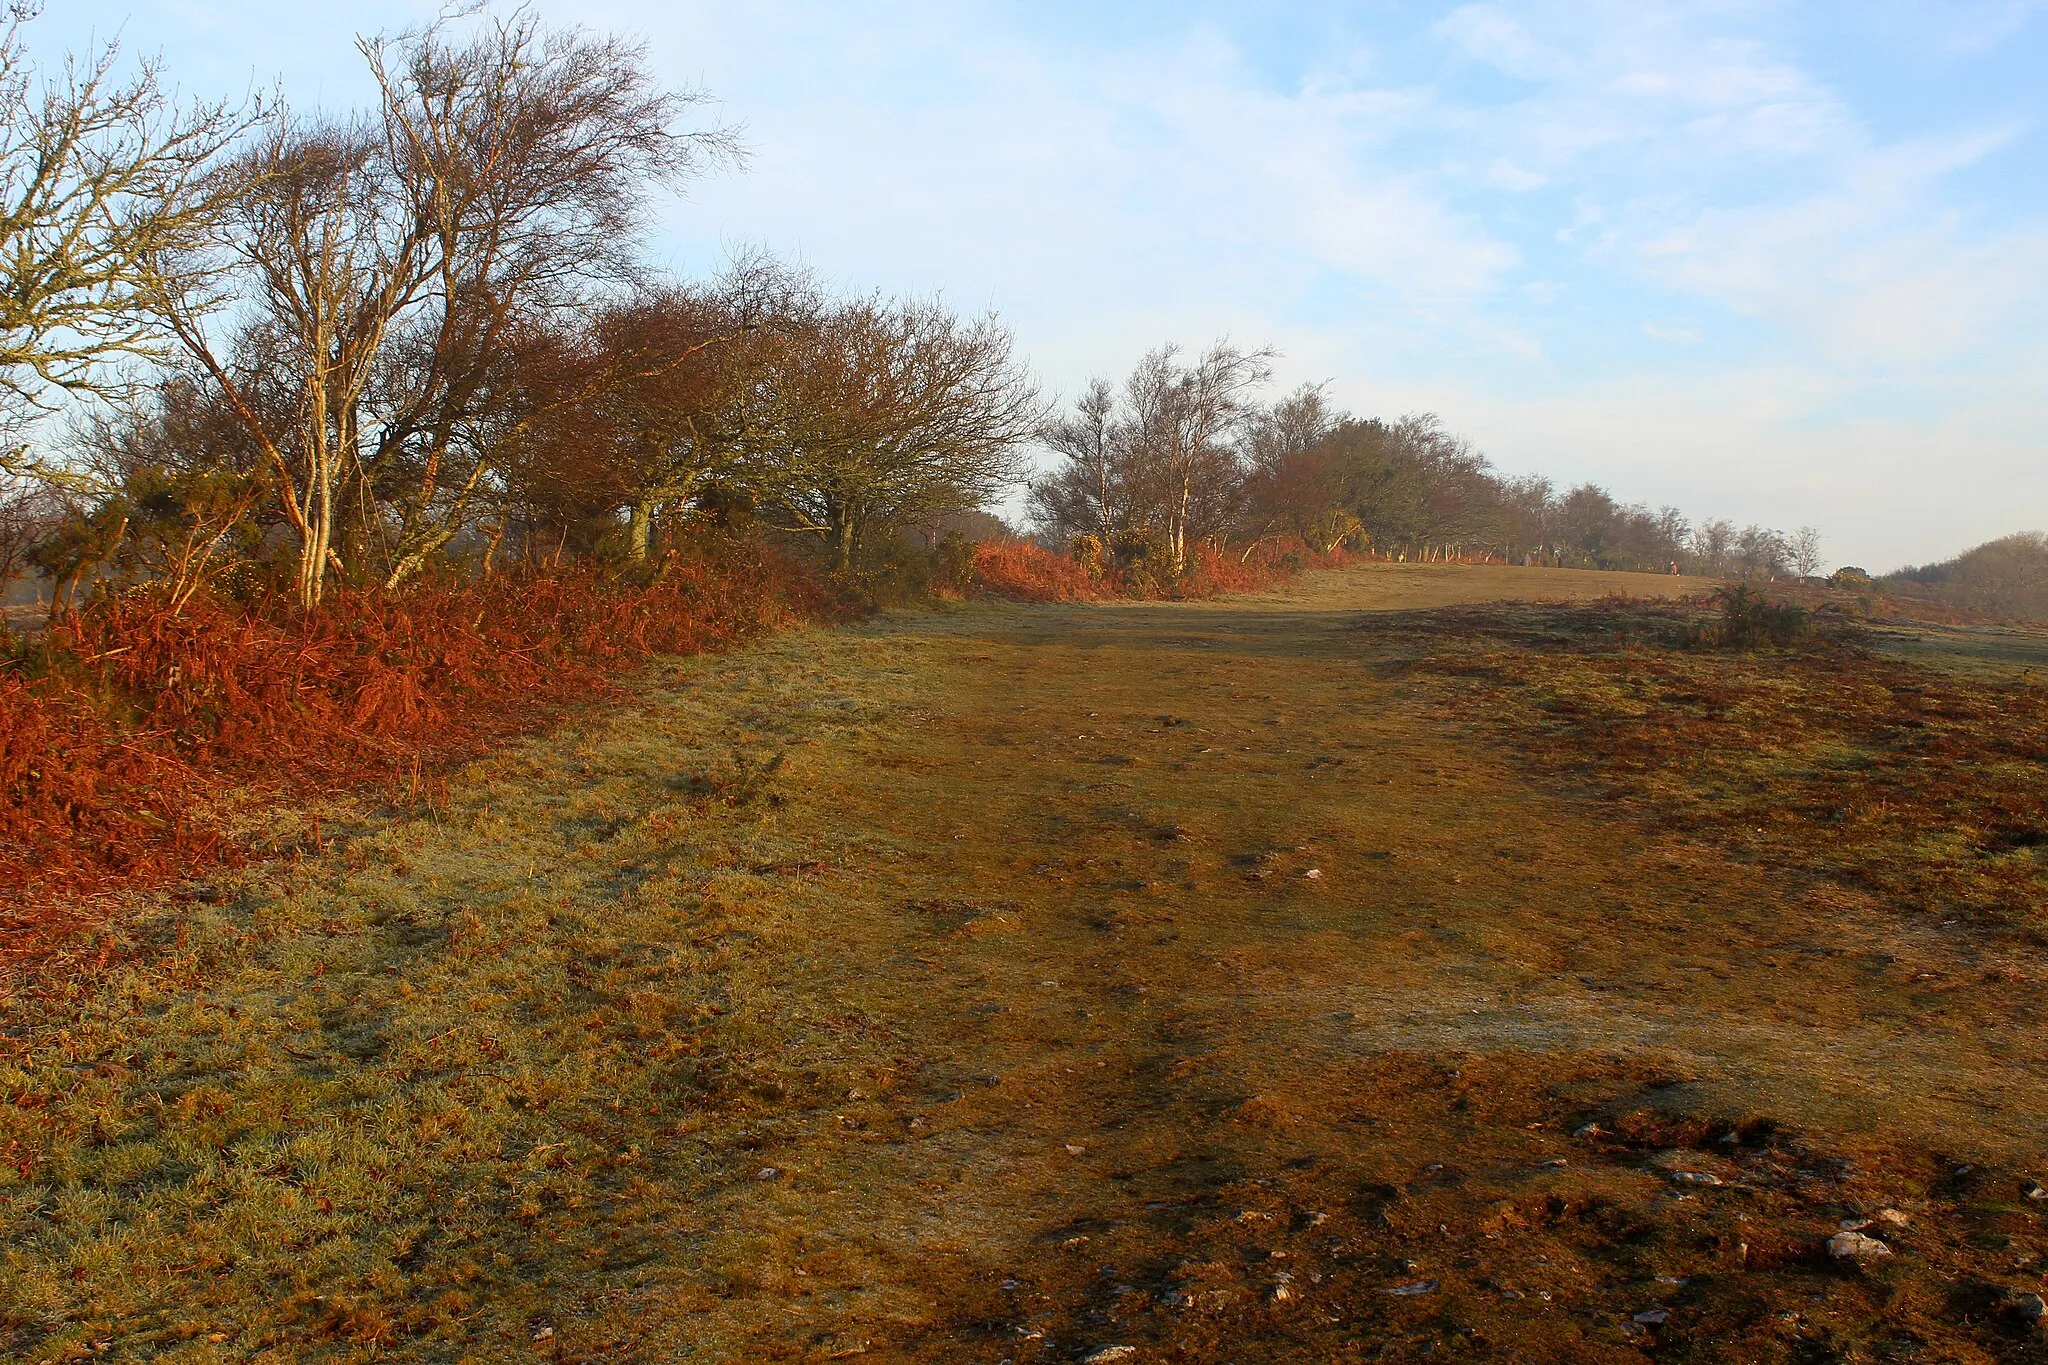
(1004, 984)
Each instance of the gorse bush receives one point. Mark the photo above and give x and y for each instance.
(1749, 619)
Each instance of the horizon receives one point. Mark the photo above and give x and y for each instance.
(1781, 265)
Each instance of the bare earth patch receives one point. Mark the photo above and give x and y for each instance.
(1345, 973)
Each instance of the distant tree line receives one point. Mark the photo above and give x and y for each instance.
(2004, 577)
(294, 350)
(1183, 451)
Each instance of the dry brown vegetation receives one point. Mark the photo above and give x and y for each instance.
(956, 987)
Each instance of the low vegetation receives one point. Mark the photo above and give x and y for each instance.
(1265, 979)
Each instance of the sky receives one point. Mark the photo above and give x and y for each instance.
(1772, 261)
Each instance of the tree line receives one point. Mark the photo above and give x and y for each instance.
(1183, 451)
(287, 350)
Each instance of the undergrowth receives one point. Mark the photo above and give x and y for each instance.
(1022, 571)
(121, 725)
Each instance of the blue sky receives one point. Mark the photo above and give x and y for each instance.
(1781, 262)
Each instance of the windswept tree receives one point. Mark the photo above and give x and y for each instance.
(379, 267)
(100, 175)
(656, 405)
(875, 413)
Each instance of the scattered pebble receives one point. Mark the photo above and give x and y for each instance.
(1075, 1149)
(1410, 1290)
(1654, 1317)
(1856, 1246)
(768, 1173)
(1893, 1218)
(1552, 1164)
(1103, 1355)
(1313, 874)
(2035, 1190)
(1694, 1178)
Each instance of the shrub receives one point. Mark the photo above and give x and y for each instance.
(1023, 572)
(1749, 619)
(118, 724)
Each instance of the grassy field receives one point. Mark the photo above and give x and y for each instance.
(1418, 961)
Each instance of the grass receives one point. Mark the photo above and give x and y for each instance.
(953, 987)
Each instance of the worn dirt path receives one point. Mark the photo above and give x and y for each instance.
(998, 984)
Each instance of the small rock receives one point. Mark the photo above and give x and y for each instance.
(1551, 1164)
(768, 1173)
(1893, 1218)
(1693, 1178)
(544, 1334)
(1586, 1130)
(2029, 1307)
(1853, 1224)
(1654, 1317)
(1075, 1149)
(2035, 1190)
(1280, 1293)
(1314, 874)
(1408, 1291)
(1856, 1246)
(1103, 1355)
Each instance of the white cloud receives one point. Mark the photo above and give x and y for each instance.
(1478, 219)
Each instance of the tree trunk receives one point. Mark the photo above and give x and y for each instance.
(640, 532)
(1178, 539)
(842, 543)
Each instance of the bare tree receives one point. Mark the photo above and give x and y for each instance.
(1804, 550)
(495, 180)
(98, 175)
(1711, 542)
(1089, 492)
(1761, 551)
(529, 155)
(1182, 418)
(878, 412)
(334, 258)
